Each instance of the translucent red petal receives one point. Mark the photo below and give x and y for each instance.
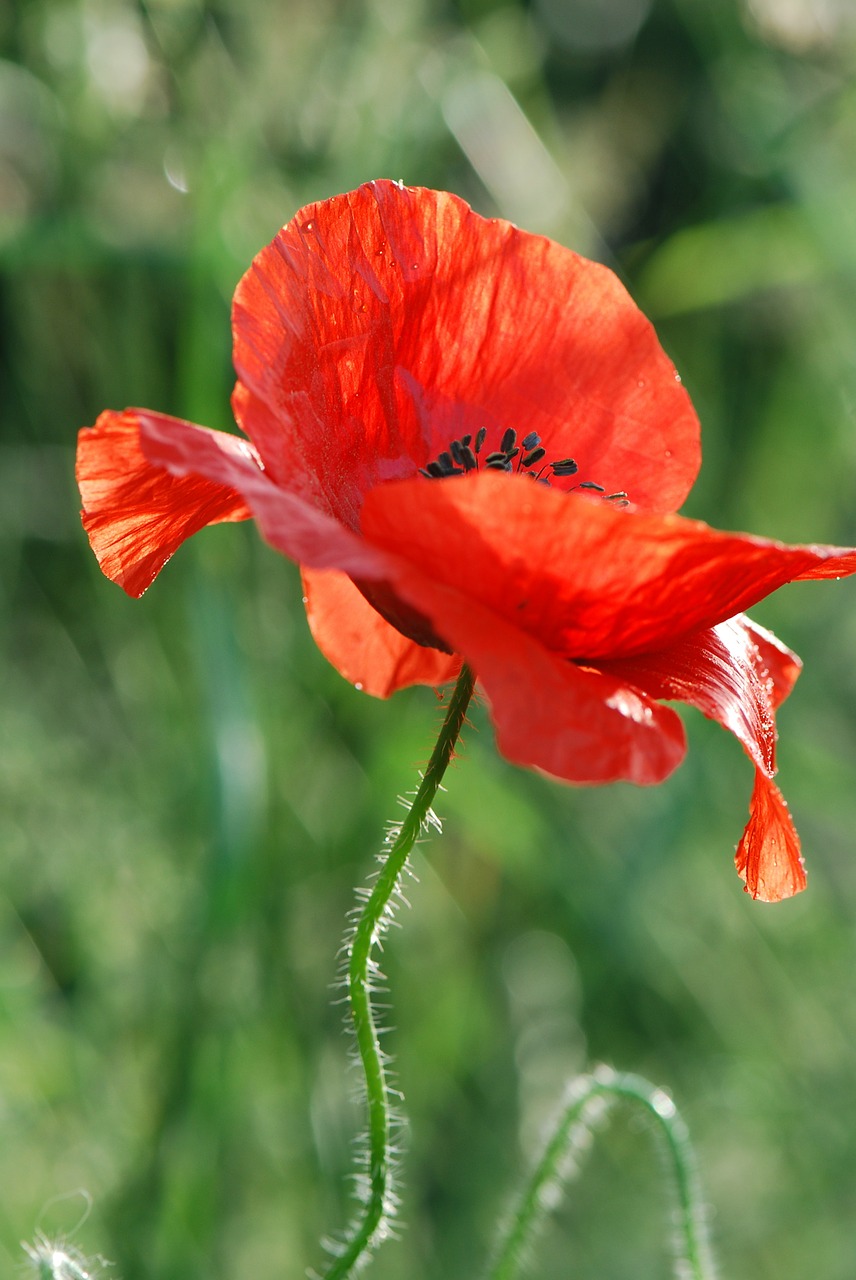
(768, 857)
(136, 514)
(737, 674)
(361, 645)
(719, 671)
(288, 520)
(380, 324)
(591, 582)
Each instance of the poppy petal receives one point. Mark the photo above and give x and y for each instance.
(576, 724)
(737, 674)
(287, 521)
(361, 645)
(381, 324)
(137, 514)
(590, 581)
(782, 664)
(719, 671)
(768, 857)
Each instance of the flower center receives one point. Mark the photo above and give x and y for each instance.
(465, 455)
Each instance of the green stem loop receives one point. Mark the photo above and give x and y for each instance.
(372, 1227)
(588, 1099)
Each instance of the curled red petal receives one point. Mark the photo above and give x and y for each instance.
(782, 665)
(591, 582)
(737, 674)
(137, 514)
(380, 324)
(721, 672)
(361, 645)
(768, 857)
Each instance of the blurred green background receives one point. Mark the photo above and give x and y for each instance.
(189, 794)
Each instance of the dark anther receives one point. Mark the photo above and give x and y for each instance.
(462, 454)
(565, 467)
(447, 467)
(530, 441)
(480, 435)
(616, 497)
(435, 471)
(495, 457)
(508, 441)
(590, 484)
(534, 456)
(497, 462)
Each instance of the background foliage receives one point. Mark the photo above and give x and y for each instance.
(188, 794)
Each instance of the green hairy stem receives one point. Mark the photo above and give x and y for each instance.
(589, 1097)
(373, 1225)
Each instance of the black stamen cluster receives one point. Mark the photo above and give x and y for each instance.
(463, 455)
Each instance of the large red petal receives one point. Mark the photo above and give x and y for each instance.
(363, 647)
(737, 674)
(380, 324)
(591, 582)
(136, 514)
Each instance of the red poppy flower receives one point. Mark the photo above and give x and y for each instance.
(471, 441)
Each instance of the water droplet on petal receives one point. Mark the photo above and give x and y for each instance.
(358, 685)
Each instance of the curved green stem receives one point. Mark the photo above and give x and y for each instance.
(373, 919)
(588, 1099)
(691, 1250)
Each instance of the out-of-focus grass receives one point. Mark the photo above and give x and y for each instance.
(188, 793)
